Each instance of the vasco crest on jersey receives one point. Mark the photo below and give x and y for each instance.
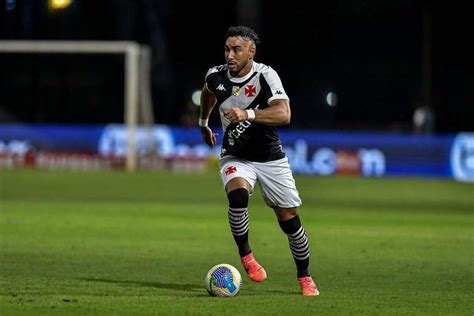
(250, 90)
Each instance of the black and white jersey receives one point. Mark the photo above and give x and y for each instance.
(248, 140)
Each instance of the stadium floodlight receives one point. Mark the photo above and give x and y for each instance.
(137, 77)
(196, 97)
(331, 99)
(59, 4)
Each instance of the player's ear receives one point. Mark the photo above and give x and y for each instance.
(252, 51)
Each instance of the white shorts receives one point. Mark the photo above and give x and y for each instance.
(275, 178)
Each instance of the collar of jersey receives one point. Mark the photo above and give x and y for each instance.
(242, 79)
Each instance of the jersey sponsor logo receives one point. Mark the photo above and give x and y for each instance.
(239, 130)
(235, 90)
(250, 90)
(221, 87)
(230, 170)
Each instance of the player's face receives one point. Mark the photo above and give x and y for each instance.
(238, 54)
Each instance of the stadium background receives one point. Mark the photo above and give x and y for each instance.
(77, 237)
(369, 52)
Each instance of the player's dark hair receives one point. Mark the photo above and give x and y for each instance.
(243, 31)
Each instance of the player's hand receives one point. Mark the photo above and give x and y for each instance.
(208, 136)
(235, 115)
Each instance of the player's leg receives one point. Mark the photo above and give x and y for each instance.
(280, 193)
(237, 191)
(239, 179)
(238, 195)
(290, 223)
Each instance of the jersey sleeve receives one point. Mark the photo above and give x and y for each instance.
(208, 79)
(275, 85)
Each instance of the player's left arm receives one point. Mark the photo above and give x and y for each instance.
(278, 113)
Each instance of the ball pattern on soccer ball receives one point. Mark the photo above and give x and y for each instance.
(223, 280)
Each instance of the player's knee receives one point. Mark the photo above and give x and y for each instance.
(285, 214)
(238, 198)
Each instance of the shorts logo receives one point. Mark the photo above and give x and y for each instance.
(230, 170)
(250, 90)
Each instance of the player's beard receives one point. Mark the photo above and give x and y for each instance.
(239, 67)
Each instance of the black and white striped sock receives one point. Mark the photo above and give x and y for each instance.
(239, 219)
(299, 245)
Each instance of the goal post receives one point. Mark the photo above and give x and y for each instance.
(136, 77)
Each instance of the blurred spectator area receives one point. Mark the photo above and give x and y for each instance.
(372, 54)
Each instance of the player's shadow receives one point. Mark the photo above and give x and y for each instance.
(159, 285)
(249, 292)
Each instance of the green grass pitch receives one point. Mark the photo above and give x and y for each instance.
(101, 243)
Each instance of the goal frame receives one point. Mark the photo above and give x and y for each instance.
(136, 76)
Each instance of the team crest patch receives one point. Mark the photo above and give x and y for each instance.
(230, 170)
(235, 90)
(250, 90)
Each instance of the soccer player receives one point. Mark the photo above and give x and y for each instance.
(251, 102)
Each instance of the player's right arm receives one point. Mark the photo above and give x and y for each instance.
(208, 101)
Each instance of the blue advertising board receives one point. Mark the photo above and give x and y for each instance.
(309, 152)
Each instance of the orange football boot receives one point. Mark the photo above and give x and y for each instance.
(254, 270)
(308, 287)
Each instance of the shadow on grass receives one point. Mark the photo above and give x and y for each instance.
(159, 285)
(185, 287)
(269, 291)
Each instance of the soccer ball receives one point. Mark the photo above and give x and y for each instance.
(223, 280)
